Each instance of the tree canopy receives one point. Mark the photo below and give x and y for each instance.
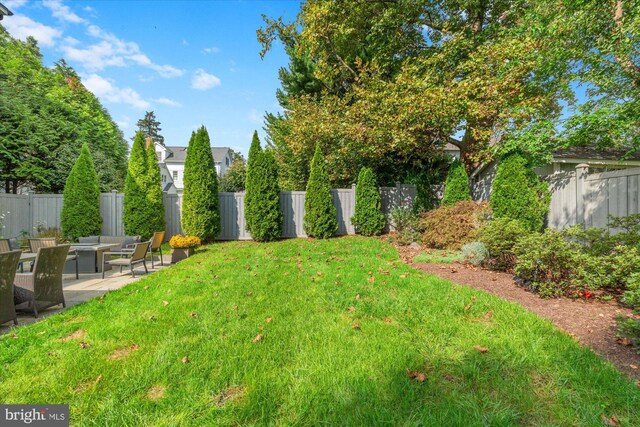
(46, 115)
(389, 83)
(150, 127)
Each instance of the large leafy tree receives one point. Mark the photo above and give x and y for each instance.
(150, 127)
(200, 206)
(396, 80)
(46, 115)
(80, 214)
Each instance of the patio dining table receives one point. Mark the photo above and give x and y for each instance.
(90, 257)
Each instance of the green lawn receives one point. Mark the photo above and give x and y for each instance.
(347, 321)
(438, 256)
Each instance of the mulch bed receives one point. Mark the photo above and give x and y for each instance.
(590, 322)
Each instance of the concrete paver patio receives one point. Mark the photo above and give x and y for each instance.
(86, 287)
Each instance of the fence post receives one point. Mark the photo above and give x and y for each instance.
(113, 211)
(581, 184)
(30, 207)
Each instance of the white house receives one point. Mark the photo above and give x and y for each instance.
(172, 159)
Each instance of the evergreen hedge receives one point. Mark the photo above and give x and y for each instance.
(250, 211)
(368, 218)
(81, 204)
(456, 187)
(154, 190)
(266, 216)
(137, 208)
(200, 210)
(320, 218)
(519, 194)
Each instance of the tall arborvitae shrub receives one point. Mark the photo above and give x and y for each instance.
(519, 194)
(154, 189)
(81, 204)
(320, 217)
(266, 216)
(250, 182)
(136, 204)
(456, 187)
(368, 218)
(200, 210)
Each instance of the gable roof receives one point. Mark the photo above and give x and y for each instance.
(179, 154)
(591, 152)
(4, 11)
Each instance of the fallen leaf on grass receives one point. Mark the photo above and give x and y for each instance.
(165, 302)
(351, 309)
(371, 279)
(258, 338)
(355, 326)
(146, 287)
(415, 375)
(388, 320)
(473, 298)
(488, 314)
(185, 359)
(358, 297)
(99, 379)
(268, 320)
(152, 317)
(402, 276)
(613, 421)
(41, 333)
(481, 349)
(84, 344)
(319, 273)
(194, 315)
(467, 307)
(632, 366)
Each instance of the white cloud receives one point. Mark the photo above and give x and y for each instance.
(167, 101)
(14, 4)
(62, 12)
(213, 49)
(110, 51)
(255, 116)
(104, 88)
(202, 80)
(21, 27)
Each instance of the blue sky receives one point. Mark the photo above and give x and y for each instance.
(192, 62)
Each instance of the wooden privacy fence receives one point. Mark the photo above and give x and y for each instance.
(578, 197)
(29, 211)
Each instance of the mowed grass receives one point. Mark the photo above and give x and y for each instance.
(439, 256)
(347, 319)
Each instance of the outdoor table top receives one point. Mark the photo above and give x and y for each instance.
(88, 247)
(27, 256)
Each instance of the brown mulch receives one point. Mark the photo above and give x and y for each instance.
(592, 322)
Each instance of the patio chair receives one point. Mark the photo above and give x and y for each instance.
(48, 242)
(130, 258)
(5, 245)
(8, 266)
(42, 288)
(156, 246)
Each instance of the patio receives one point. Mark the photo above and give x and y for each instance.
(89, 285)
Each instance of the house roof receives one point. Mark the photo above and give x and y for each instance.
(4, 11)
(179, 154)
(591, 152)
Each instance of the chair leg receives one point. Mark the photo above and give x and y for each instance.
(77, 277)
(133, 273)
(161, 261)
(35, 309)
(144, 263)
(151, 253)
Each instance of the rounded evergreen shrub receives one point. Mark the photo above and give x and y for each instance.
(500, 236)
(154, 191)
(200, 207)
(250, 182)
(475, 253)
(137, 208)
(368, 217)
(519, 194)
(456, 187)
(266, 213)
(81, 204)
(320, 217)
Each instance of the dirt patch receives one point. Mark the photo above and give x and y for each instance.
(123, 352)
(228, 395)
(80, 333)
(590, 322)
(156, 392)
